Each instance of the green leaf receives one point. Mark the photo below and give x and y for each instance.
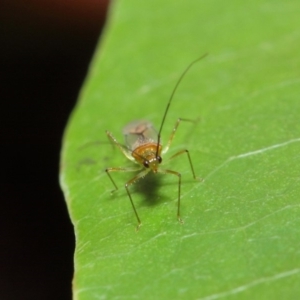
(240, 238)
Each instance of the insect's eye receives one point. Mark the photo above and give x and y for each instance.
(159, 159)
(146, 164)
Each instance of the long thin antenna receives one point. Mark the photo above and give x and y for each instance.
(172, 95)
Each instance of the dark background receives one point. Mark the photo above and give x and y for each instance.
(45, 50)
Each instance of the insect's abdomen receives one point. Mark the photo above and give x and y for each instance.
(138, 133)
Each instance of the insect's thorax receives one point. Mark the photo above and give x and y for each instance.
(150, 152)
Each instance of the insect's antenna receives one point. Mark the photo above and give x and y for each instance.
(172, 95)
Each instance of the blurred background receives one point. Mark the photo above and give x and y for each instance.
(45, 50)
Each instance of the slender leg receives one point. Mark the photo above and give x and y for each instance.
(166, 148)
(127, 153)
(179, 178)
(108, 170)
(179, 189)
(189, 157)
(128, 183)
(122, 148)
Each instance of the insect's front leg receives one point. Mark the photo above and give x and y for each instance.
(189, 158)
(108, 170)
(179, 190)
(129, 183)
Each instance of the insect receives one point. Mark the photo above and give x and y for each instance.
(143, 147)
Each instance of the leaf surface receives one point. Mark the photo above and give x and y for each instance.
(240, 238)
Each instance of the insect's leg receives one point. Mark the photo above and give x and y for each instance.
(166, 148)
(179, 177)
(108, 170)
(189, 158)
(113, 140)
(130, 182)
(179, 189)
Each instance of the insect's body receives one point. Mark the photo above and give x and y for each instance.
(142, 146)
(141, 140)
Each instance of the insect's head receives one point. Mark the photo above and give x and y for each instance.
(153, 163)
